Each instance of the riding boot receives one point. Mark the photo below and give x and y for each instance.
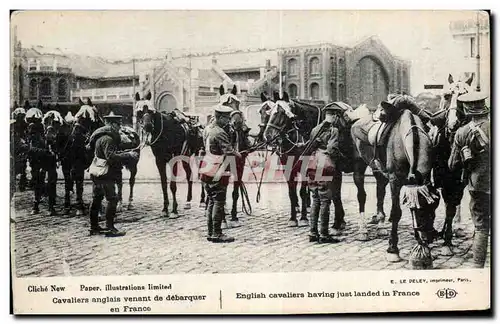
(313, 234)
(480, 248)
(36, 208)
(110, 220)
(218, 215)
(324, 214)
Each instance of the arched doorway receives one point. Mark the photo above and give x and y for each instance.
(373, 82)
(167, 103)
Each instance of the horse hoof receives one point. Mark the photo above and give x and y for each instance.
(165, 214)
(303, 223)
(393, 257)
(119, 207)
(382, 232)
(224, 225)
(35, 212)
(130, 206)
(187, 205)
(173, 215)
(293, 223)
(336, 232)
(363, 237)
(234, 223)
(446, 251)
(374, 220)
(52, 212)
(202, 205)
(79, 212)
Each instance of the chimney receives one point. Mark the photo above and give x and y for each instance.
(214, 60)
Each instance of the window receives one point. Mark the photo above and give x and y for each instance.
(333, 66)
(314, 66)
(46, 89)
(33, 90)
(292, 91)
(472, 50)
(341, 92)
(293, 67)
(333, 92)
(314, 90)
(62, 90)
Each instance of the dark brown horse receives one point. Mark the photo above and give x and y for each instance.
(407, 162)
(19, 152)
(446, 121)
(169, 139)
(288, 124)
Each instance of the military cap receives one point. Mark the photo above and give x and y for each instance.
(337, 106)
(236, 112)
(220, 109)
(112, 116)
(474, 103)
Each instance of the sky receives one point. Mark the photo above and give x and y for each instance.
(119, 35)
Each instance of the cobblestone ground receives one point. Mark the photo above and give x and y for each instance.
(60, 245)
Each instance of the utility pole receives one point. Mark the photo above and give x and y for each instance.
(280, 54)
(478, 57)
(134, 117)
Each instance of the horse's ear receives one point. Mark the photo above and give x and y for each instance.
(137, 96)
(235, 90)
(89, 102)
(450, 78)
(26, 104)
(148, 96)
(285, 97)
(221, 89)
(276, 96)
(469, 80)
(263, 97)
(80, 102)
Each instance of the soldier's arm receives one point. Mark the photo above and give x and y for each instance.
(332, 147)
(455, 161)
(225, 144)
(111, 152)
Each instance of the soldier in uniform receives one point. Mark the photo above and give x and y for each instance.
(325, 138)
(107, 140)
(218, 146)
(471, 153)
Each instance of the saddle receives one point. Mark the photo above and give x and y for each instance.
(378, 133)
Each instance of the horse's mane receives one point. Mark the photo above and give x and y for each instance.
(33, 112)
(307, 113)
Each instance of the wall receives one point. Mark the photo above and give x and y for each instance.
(244, 76)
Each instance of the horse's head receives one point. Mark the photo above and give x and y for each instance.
(144, 111)
(229, 99)
(87, 118)
(265, 111)
(52, 122)
(19, 113)
(34, 121)
(450, 103)
(280, 117)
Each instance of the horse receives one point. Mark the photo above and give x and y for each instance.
(288, 124)
(169, 138)
(446, 122)
(19, 151)
(74, 156)
(42, 158)
(407, 161)
(239, 138)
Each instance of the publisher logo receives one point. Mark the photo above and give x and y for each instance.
(447, 293)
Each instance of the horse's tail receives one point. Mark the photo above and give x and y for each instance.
(417, 146)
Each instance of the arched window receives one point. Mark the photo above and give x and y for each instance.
(293, 67)
(46, 89)
(314, 66)
(33, 90)
(314, 90)
(341, 68)
(62, 90)
(292, 91)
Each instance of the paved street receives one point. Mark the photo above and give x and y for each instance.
(60, 245)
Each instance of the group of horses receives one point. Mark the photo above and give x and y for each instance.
(415, 154)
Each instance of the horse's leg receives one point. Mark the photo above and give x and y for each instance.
(173, 189)
(37, 186)
(131, 181)
(292, 194)
(68, 186)
(23, 180)
(187, 169)
(304, 198)
(339, 221)
(359, 180)
(77, 176)
(119, 185)
(161, 164)
(236, 192)
(202, 198)
(393, 250)
(380, 217)
(51, 186)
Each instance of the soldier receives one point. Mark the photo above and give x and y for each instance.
(471, 153)
(217, 146)
(325, 139)
(107, 140)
